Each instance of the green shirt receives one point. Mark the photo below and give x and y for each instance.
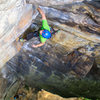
(45, 26)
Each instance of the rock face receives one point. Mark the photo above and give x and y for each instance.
(52, 2)
(77, 19)
(68, 64)
(53, 68)
(15, 18)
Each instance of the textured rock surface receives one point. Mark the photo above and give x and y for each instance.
(56, 70)
(53, 2)
(81, 23)
(15, 18)
(68, 64)
(78, 19)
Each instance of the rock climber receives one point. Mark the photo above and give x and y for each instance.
(44, 33)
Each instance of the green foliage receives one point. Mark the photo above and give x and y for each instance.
(82, 98)
(85, 98)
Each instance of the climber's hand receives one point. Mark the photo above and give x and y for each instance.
(35, 46)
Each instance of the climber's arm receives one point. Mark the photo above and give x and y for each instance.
(38, 45)
(42, 13)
